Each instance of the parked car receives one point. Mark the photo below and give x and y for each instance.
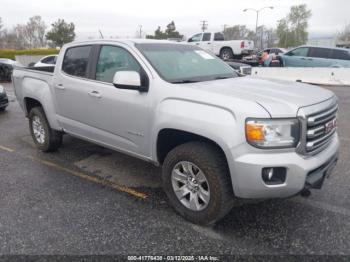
(240, 68)
(215, 43)
(46, 61)
(274, 52)
(6, 67)
(312, 56)
(4, 101)
(217, 136)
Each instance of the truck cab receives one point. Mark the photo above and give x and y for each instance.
(217, 136)
(215, 43)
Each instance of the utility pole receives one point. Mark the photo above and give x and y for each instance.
(204, 25)
(140, 26)
(257, 18)
(101, 35)
(224, 26)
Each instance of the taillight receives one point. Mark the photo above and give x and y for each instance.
(242, 44)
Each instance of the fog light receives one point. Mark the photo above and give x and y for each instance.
(274, 175)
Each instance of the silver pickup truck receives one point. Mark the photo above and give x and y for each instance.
(217, 136)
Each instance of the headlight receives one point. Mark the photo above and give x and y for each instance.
(272, 133)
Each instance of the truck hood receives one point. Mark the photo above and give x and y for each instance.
(279, 98)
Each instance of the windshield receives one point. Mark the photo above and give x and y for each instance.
(180, 63)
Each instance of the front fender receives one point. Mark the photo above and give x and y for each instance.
(212, 122)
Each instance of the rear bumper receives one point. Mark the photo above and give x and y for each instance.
(246, 171)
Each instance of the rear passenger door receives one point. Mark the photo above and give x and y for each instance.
(319, 57)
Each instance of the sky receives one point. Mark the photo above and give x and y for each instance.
(122, 18)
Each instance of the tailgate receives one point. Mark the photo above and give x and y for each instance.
(248, 45)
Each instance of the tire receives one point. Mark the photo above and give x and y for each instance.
(226, 53)
(47, 140)
(2, 109)
(209, 160)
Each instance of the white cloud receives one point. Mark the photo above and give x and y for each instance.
(121, 18)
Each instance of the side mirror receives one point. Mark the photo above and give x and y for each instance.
(129, 80)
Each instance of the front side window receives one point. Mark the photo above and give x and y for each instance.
(195, 38)
(180, 63)
(302, 51)
(76, 61)
(320, 52)
(113, 59)
(206, 36)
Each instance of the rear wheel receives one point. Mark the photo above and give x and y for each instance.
(226, 53)
(197, 182)
(2, 109)
(44, 137)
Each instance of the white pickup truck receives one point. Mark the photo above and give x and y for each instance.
(217, 136)
(215, 43)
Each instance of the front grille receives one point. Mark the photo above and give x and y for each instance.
(321, 127)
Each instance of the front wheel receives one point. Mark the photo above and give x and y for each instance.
(197, 182)
(44, 137)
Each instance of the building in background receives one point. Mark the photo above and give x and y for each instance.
(322, 41)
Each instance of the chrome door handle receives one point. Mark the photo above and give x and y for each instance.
(60, 86)
(95, 94)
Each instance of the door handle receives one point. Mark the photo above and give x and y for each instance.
(208, 43)
(197, 43)
(60, 86)
(95, 94)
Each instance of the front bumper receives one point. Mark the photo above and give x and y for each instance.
(246, 170)
(3, 100)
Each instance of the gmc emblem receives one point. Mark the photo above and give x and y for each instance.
(330, 126)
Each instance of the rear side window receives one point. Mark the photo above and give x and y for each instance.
(76, 60)
(113, 59)
(206, 36)
(340, 54)
(219, 37)
(320, 52)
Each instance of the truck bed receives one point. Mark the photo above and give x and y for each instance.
(31, 80)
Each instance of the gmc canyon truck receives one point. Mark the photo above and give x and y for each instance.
(215, 43)
(217, 136)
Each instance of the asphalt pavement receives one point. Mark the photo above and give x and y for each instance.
(85, 199)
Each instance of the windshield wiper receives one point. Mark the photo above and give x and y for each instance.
(184, 81)
(223, 77)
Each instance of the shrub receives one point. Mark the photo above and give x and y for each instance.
(11, 53)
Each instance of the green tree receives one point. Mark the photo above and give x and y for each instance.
(344, 36)
(170, 32)
(292, 30)
(238, 32)
(61, 33)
